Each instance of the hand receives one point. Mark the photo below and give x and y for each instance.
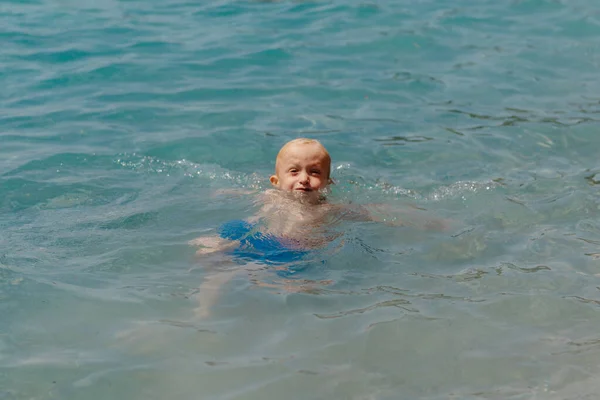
(211, 244)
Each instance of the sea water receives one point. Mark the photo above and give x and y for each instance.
(127, 126)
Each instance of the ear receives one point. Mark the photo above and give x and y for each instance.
(274, 180)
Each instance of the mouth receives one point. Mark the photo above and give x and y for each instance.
(305, 190)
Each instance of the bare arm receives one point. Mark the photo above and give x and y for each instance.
(212, 244)
(410, 216)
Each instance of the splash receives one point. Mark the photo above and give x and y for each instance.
(211, 173)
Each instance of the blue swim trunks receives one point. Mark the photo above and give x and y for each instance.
(256, 246)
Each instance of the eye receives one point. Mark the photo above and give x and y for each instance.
(315, 172)
(293, 171)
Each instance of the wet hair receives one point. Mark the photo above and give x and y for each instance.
(301, 141)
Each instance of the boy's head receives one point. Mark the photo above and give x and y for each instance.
(302, 166)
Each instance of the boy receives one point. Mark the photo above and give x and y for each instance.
(290, 213)
(294, 216)
(293, 209)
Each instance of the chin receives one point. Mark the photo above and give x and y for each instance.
(301, 193)
(310, 197)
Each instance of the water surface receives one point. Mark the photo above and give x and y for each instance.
(120, 120)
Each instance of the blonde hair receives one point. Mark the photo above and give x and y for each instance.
(301, 141)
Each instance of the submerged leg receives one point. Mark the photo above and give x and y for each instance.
(208, 292)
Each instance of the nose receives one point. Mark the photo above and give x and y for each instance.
(304, 178)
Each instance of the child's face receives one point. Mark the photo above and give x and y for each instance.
(303, 169)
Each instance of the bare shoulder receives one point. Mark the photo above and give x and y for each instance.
(269, 194)
(268, 198)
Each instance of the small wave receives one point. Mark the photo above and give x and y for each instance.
(460, 189)
(399, 303)
(190, 169)
(514, 116)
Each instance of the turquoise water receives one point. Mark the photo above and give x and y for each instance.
(121, 121)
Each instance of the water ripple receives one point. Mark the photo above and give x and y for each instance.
(123, 123)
